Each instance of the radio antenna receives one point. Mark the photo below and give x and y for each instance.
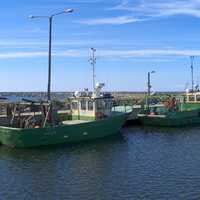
(93, 62)
(192, 71)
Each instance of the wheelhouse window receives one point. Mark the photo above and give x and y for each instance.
(90, 105)
(198, 97)
(108, 105)
(83, 105)
(100, 104)
(74, 105)
(191, 98)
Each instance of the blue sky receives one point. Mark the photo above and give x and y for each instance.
(132, 37)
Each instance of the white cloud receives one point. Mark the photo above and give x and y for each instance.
(21, 55)
(57, 43)
(149, 53)
(14, 55)
(143, 53)
(147, 10)
(159, 8)
(112, 20)
(71, 53)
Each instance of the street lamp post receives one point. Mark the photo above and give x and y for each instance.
(50, 19)
(49, 60)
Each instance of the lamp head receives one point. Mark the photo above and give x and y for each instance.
(31, 17)
(69, 10)
(93, 49)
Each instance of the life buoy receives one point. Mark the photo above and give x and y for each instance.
(99, 115)
(152, 113)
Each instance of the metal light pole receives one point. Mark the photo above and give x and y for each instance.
(93, 62)
(50, 19)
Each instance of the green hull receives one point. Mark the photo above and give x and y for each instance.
(189, 106)
(24, 138)
(176, 119)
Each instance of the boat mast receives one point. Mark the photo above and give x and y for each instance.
(93, 62)
(192, 71)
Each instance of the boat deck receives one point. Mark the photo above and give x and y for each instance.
(71, 122)
(151, 116)
(35, 113)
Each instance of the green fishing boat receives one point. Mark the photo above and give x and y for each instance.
(159, 115)
(27, 123)
(181, 110)
(171, 119)
(191, 100)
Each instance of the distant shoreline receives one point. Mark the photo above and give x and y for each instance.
(65, 95)
(69, 92)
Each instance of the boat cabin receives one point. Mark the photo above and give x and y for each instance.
(193, 97)
(91, 106)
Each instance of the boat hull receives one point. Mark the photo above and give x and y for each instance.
(189, 106)
(180, 119)
(24, 138)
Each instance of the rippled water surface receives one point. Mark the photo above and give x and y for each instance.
(146, 163)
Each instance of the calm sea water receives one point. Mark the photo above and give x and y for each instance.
(146, 163)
